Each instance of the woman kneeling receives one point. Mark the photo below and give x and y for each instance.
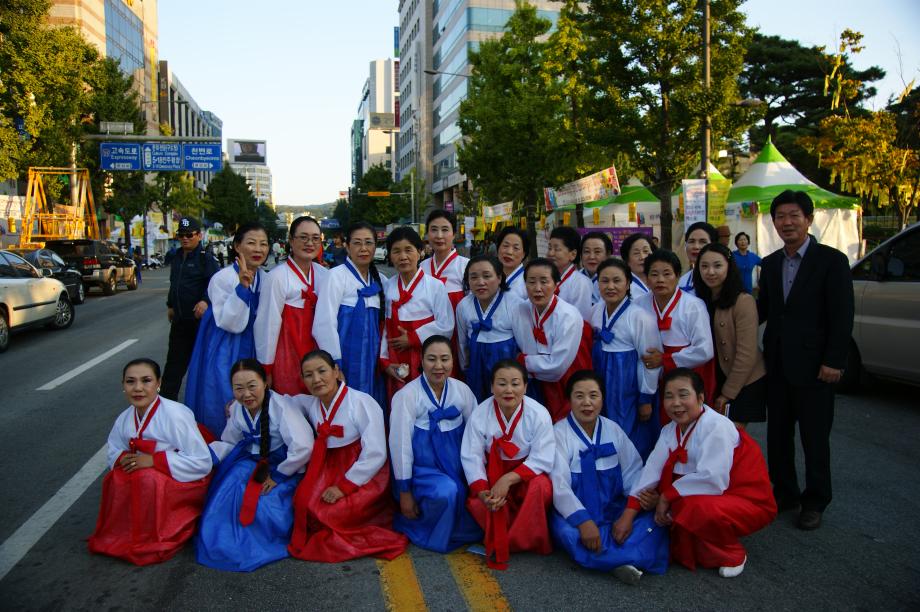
(152, 497)
(595, 465)
(706, 479)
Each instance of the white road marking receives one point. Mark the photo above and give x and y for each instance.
(29, 533)
(60, 380)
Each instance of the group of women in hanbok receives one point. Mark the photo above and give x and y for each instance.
(336, 414)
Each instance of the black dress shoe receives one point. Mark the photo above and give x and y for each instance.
(809, 520)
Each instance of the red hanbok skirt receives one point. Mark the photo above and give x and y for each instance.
(358, 525)
(412, 356)
(145, 517)
(295, 339)
(706, 528)
(525, 513)
(554, 392)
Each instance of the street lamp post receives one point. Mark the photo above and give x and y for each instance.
(707, 121)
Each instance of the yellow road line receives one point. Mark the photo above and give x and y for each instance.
(401, 589)
(477, 584)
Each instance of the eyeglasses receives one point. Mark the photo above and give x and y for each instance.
(314, 238)
(186, 234)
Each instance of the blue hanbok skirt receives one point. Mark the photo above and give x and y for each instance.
(621, 406)
(359, 338)
(222, 542)
(208, 388)
(483, 356)
(440, 491)
(646, 547)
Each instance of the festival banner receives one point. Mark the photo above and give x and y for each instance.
(598, 186)
(718, 197)
(694, 201)
(617, 234)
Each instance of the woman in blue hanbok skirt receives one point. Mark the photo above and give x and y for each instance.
(484, 323)
(348, 314)
(595, 467)
(622, 333)
(427, 419)
(225, 334)
(249, 512)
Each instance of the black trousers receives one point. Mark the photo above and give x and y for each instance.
(812, 407)
(182, 334)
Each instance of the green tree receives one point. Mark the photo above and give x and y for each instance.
(514, 141)
(378, 211)
(342, 212)
(649, 99)
(230, 200)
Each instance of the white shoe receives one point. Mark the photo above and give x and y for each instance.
(628, 574)
(731, 572)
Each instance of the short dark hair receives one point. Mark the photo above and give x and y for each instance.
(544, 262)
(435, 339)
(251, 226)
(731, 289)
(496, 266)
(319, 354)
(696, 381)
(739, 235)
(303, 219)
(147, 361)
(508, 364)
(404, 232)
(632, 239)
(570, 238)
(440, 213)
(793, 196)
(510, 230)
(664, 255)
(608, 243)
(706, 227)
(582, 375)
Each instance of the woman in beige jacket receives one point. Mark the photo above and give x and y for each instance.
(741, 375)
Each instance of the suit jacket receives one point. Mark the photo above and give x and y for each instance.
(814, 325)
(735, 339)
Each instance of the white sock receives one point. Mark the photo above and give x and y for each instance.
(731, 572)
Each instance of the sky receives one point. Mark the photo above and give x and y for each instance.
(291, 71)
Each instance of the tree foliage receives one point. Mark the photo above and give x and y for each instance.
(230, 201)
(379, 212)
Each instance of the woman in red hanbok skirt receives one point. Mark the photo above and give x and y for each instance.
(160, 465)
(507, 455)
(343, 508)
(283, 329)
(417, 307)
(706, 479)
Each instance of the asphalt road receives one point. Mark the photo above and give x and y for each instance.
(865, 556)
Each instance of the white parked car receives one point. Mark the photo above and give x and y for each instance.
(380, 254)
(29, 297)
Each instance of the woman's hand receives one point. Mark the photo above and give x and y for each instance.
(720, 404)
(392, 370)
(624, 525)
(407, 505)
(332, 495)
(648, 499)
(131, 462)
(652, 358)
(401, 342)
(502, 487)
(590, 536)
(645, 412)
(268, 485)
(246, 275)
(663, 512)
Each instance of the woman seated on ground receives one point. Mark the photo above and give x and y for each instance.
(153, 495)
(264, 447)
(706, 479)
(342, 507)
(741, 376)
(507, 455)
(427, 419)
(595, 467)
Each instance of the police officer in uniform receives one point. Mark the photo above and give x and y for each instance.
(190, 271)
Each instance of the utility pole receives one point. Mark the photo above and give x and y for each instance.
(707, 121)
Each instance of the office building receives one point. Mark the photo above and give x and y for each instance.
(376, 127)
(178, 109)
(435, 41)
(125, 30)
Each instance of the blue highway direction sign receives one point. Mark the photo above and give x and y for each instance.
(162, 156)
(120, 155)
(201, 157)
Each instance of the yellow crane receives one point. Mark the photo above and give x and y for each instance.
(43, 220)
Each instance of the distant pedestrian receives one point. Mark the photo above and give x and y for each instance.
(746, 260)
(221, 249)
(338, 251)
(277, 250)
(806, 299)
(190, 271)
(138, 258)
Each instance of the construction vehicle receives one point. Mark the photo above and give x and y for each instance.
(43, 220)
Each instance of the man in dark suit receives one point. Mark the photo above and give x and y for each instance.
(806, 299)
